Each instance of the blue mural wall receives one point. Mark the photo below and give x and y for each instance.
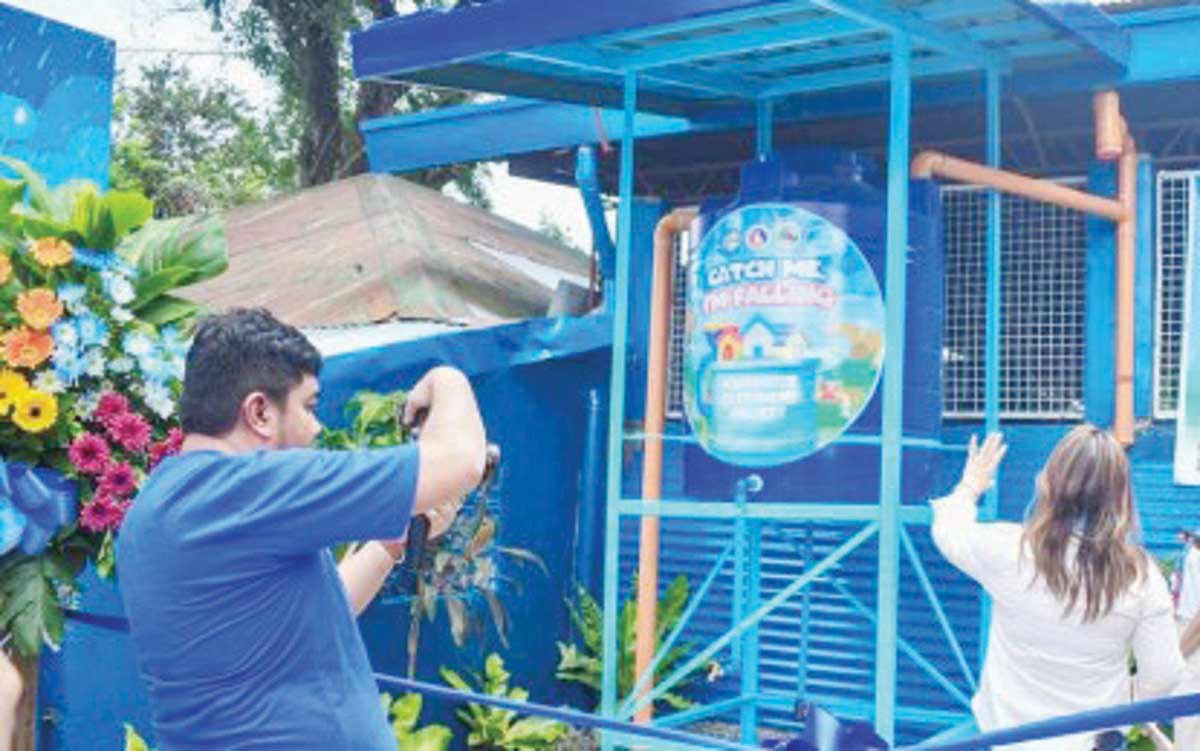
(56, 86)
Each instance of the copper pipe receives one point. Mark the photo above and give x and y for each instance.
(656, 412)
(929, 164)
(1112, 142)
(1110, 136)
(1122, 426)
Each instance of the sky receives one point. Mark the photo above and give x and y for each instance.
(148, 30)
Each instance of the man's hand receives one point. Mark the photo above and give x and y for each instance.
(453, 444)
(979, 473)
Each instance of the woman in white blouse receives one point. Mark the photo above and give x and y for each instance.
(1073, 594)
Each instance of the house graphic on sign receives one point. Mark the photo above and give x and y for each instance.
(763, 340)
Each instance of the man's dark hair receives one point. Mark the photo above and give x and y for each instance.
(235, 354)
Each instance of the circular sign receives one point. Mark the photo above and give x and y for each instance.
(784, 335)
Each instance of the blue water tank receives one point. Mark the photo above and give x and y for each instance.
(841, 186)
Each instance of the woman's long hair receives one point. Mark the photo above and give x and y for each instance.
(1084, 496)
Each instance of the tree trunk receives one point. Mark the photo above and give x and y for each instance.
(374, 99)
(312, 44)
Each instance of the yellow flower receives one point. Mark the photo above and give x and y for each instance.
(12, 386)
(51, 252)
(39, 307)
(5, 268)
(35, 411)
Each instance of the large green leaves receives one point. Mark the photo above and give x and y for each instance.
(173, 253)
(75, 210)
(29, 609)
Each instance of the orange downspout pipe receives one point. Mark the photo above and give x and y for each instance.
(1112, 142)
(656, 413)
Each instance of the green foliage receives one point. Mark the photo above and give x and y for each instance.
(494, 729)
(194, 146)
(404, 712)
(583, 663)
(464, 561)
(173, 253)
(133, 741)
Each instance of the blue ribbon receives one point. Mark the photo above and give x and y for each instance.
(34, 503)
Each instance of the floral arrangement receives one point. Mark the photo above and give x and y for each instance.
(92, 347)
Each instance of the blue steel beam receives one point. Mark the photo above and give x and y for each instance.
(616, 410)
(883, 16)
(759, 613)
(586, 57)
(893, 388)
(1085, 23)
(935, 603)
(913, 654)
(724, 45)
(823, 512)
(685, 618)
(479, 132)
(430, 39)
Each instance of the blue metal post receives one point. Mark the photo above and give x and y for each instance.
(751, 531)
(766, 126)
(991, 367)
(590, 481)
(893, 389)
(616, 409)
(805, 618)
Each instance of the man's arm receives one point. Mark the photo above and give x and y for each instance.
(1189, 640)
(364, 571)
(453, 444)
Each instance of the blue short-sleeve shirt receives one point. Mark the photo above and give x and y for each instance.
(242, 630)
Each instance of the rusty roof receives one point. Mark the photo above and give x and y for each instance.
(376, 247)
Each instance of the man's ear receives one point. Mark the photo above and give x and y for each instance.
(259, 415)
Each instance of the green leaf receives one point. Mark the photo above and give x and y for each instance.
(405, 711)
(154, 285)
(12, 192)
(193, 243)
(39, 193)
(133, 741)
(91, 220)
(128, 209)
(453, 679)
(30, 612)
(430, 738)
(168, 309)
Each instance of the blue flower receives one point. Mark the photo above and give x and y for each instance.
(72, 295)
(94, 259)
(138, 344)
(173, 342)
(68, 366)
(65, 333)
(118, 288)
(156, 369)
(94, 362)
(93, 330)
(158, 398)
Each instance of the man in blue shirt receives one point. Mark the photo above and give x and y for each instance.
(242, 623)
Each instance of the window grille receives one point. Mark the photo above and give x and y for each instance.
(1175, 234)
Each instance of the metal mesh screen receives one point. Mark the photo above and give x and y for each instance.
(1174, 235)
(1042, 307)
(678, 324)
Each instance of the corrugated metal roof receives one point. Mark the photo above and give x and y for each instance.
(375, 248)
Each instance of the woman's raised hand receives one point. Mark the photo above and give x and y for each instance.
(979, 473)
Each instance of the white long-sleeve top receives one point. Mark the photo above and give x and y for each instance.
(1042, 662)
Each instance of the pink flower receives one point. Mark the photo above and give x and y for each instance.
(130, 430)
(89, 453)
(102, 513)
(169, 446)
(111, 406)
(94, 515)
(118, 481)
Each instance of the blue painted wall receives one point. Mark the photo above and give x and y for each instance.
(56, 85)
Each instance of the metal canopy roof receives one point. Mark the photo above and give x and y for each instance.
(694, 56)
